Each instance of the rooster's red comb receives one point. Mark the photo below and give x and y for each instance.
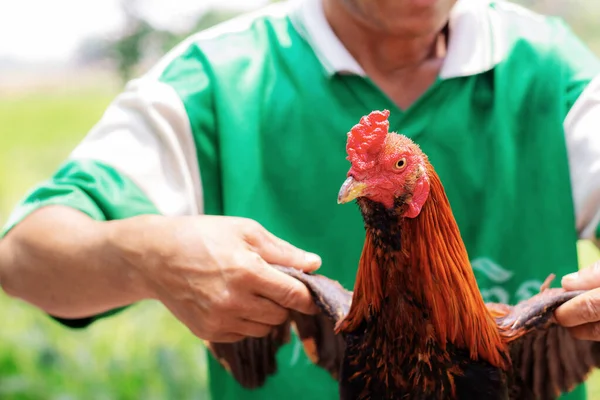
(367, 138)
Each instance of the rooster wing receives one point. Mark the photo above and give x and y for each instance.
(252, 360)
(546, 360)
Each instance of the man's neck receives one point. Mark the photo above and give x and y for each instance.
(379, 53)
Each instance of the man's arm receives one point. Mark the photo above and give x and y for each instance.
(120, 221)
(68, 264)
(212, 273)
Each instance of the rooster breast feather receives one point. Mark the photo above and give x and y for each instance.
(252, 360)
(546, 360)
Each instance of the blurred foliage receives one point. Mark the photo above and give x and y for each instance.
(42, 128)
(128, 50)
(143, 353)
(141, 41)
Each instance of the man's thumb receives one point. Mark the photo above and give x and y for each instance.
(584, 279)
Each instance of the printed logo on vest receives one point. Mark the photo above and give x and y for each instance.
(500, 276)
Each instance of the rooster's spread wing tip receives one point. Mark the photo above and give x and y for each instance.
(317, 332)
(331, 297)
(536, 312)
(252, 360)
(546, 359)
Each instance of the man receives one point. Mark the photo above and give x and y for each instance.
(245, 124)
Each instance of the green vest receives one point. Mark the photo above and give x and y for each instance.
(270, 128)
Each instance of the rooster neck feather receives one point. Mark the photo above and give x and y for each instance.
(415, 279)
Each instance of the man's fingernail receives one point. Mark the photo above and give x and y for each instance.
(571, 277)
(312, 258)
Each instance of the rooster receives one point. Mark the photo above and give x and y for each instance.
(416, 326)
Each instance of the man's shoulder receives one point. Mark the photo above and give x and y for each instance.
(250, 36)
(530, 40)
(520, 26)
(249, 28)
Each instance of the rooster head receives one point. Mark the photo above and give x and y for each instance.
(387, 168)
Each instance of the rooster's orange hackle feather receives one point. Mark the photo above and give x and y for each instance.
(460, 316)
(438, 264)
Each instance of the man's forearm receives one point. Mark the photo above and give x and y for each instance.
(68, 264)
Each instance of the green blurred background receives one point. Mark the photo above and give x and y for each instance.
(45, 110)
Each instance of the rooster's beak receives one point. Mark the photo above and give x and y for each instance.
(350, 190)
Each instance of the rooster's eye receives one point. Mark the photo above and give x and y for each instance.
(401, 163)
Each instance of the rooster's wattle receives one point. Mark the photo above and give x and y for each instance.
(416, 326)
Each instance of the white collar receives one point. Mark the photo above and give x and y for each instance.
(476, 44)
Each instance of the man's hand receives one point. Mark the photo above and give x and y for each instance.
(582, 314)
(213, 273)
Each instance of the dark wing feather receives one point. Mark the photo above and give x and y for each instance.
(321, 344)
(331, 297)
(547, 360)
(252, 360)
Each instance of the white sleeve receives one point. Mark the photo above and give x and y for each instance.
(145, 134)
(582, 132)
